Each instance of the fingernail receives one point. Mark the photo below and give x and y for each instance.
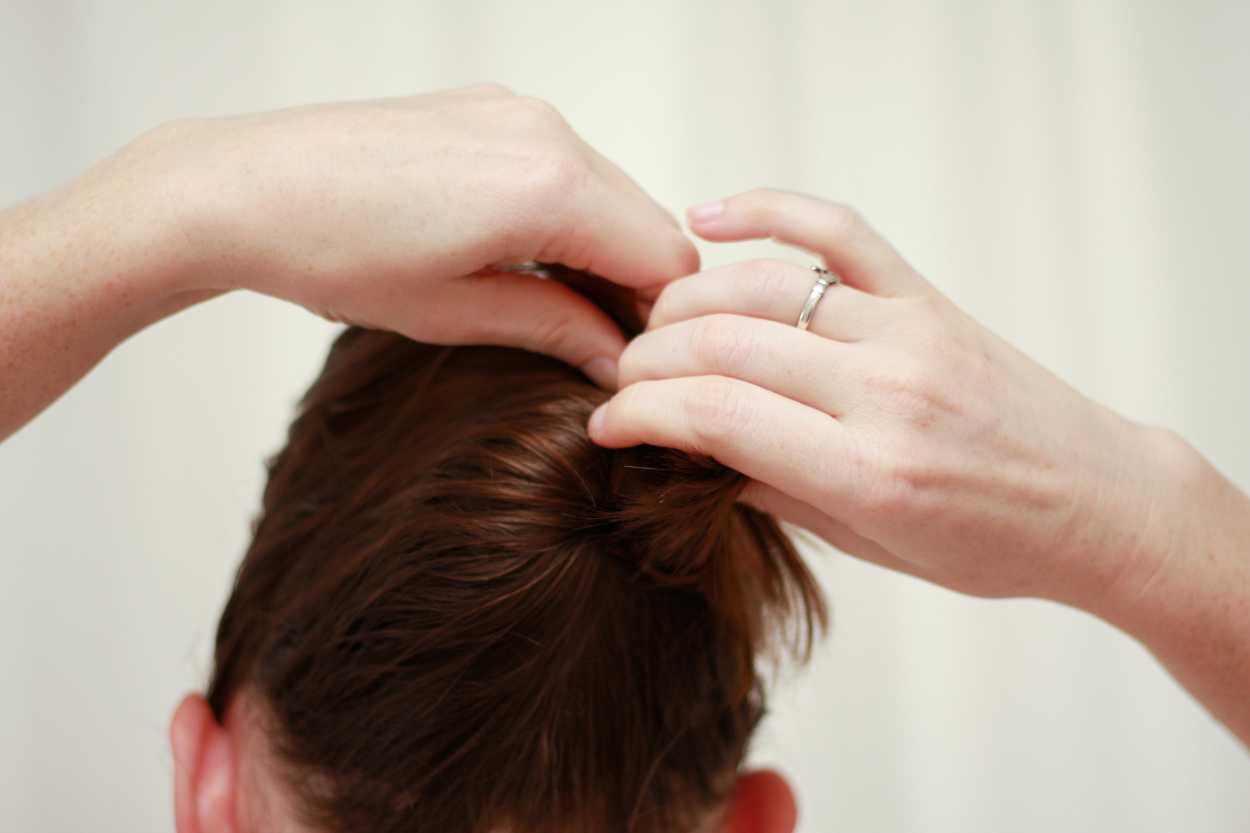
(596, 421)
(602, 371)
(703, 212)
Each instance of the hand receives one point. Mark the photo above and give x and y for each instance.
(897, 428)
(392, 213)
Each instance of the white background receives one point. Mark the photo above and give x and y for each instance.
(1076, 174)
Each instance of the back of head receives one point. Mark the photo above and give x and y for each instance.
(459, 615)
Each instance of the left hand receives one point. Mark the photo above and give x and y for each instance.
(397, 214)
(897, 427)
(394, 213)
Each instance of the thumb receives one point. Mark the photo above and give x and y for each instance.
(508, 309)
(620, 233)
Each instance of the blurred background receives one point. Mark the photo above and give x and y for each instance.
(1075, 174)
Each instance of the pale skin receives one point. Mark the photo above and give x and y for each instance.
(388, 213)
(908, 435)
(897, 428)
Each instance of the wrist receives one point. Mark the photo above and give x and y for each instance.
(1182, 537)
(1186, 597)
(113, 242)
(84, 267)
(157, 214)
(1123, 527)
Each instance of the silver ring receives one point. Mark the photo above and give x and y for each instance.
(824, 280)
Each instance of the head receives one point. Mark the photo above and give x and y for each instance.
(457, 614)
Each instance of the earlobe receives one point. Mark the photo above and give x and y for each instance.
(204, 776)
(762, 802)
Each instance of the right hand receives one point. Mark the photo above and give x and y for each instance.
(391, 214)
(897, 427)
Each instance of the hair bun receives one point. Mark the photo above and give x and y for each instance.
(458, 613)
(677, 518)
(676, 509)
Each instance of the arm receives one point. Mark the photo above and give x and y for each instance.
(906, 434)
(81, 269)
(391, 214)
(1188, 598)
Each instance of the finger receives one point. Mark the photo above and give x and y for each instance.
(771, 289)
(780, 505)
(757, 432)
(532, 313)
(617, 231)
(488, 89)
(782, 359)
(470, 91)
(614, 173)
(835, 232)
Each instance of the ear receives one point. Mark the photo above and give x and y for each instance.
(762, 802)
(204, 769)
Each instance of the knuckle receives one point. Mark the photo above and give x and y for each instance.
(631, 365)
(759, 204)
(833, 468)
(536, 112)
(890, 498)
(941, 354)
(922, 310)
(554, 335)
(924, 317)
(921, 405)
(894, 378)
(627, 404)
(541, 165)
(882, 498)
(493, 88)
(925, 407)
(668, 302)
(563, 172)
(553, 180)
(763, 198)
(766, 279)
(715, 411)
(720, 344)
(844, 221)
(894, 483)
(556, 159)
(910, 391)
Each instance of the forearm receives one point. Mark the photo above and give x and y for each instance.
(82, 268)
(1188, 601)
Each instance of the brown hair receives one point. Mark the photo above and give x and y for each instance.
(458, 613)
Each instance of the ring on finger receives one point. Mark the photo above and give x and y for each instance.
(824, 280)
